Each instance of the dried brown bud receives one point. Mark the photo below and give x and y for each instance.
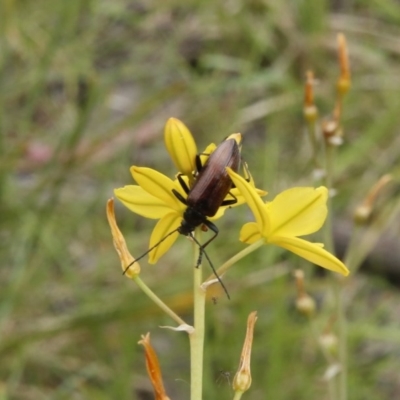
(344, 81)
(120, 244)
(305, 304)
(153, 368)
(364, 210)
(310, 110)
(242, 379)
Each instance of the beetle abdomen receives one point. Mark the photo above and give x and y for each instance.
(213, 182)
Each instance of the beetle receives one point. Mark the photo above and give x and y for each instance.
(212, 184)
(210, 188)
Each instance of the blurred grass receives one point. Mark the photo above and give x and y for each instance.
(85, 89)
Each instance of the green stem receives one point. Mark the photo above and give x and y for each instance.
(197, 336)
(233, 260)
(237, 396)
(342, 329)
(329, 162)
(332, 389)
(353, 248)
(341, 380)
(312, 133)
(158, 301)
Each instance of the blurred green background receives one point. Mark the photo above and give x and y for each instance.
(85, 90)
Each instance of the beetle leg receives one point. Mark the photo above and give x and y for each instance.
(199, 165)
(230, 201)
(183, 184)
(201, 247)
(211, 226)
(179, 197)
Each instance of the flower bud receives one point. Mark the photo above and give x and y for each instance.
(242, 380)
(131, 269)
(153, 368)
(180, 146)
(364, 210)
(329, 342)
(332, 131)
(306, 305)
(344, 81)
(310, 110)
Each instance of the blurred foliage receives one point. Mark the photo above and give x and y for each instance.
(85, 89)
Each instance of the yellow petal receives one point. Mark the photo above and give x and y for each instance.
(158, 185)
(298, 211)
(250, 233)
(140, 202)
(234, 193)
(180, 145)
(206, 153)
(240, 199)
(163, 228)
(253, 200)
(237, 137)
(313, 252)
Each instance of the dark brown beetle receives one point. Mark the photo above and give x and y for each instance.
(211, 186)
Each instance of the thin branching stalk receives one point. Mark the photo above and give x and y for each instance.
(233, 260)
(158, 301)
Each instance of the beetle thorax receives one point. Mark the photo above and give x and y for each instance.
(191, 220)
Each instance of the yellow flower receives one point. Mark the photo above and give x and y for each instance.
(295, 212)
(154, 197)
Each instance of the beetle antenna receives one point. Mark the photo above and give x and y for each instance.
(149, 250)
(202, 250)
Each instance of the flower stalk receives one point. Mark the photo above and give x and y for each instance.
(196, 338)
